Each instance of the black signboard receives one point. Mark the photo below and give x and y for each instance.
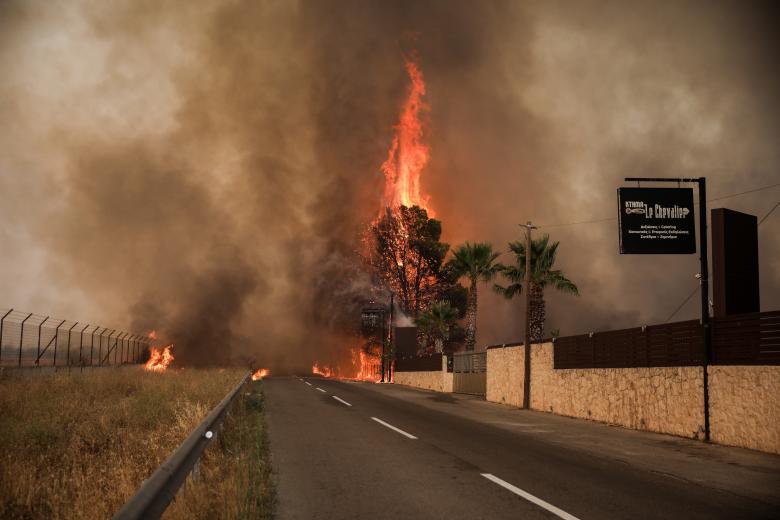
(656, 221)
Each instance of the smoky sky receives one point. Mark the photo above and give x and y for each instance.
(208, 168)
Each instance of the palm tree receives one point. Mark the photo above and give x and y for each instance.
(475, 262)
(436, 323)
(542, 274)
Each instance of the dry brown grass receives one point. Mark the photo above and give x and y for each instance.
(235, 472)
(77, 446)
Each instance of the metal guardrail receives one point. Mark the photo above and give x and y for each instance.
(154, 495)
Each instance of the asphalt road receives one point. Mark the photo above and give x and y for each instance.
(357, 450)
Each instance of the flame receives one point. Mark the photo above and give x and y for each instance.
(260, 374)
(323, 371)
(159, 359)
(152, 334)
(408, 153)
(365, 366)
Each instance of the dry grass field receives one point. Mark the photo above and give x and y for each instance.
(77, 446)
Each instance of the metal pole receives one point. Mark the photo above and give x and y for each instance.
(40, 326)
(56, 340)
(81, 347)
(390, 340)
(121, 340)
(704, 280)
(705, 301)
(527, 282)
(69, 335)
(92, 345)
(1, 333)
(100, 346)
(117, 346)
(108, 352)
(21, 337)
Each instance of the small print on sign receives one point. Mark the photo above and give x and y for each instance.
(656, 221)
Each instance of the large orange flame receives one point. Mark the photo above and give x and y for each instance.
(408, 153)
(159, 359)
(260, 374)
(365, 366)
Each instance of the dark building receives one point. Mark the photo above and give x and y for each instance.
(734, 262)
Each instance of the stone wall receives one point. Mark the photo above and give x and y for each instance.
(505, 375)
(745, 406)
(659, 399)
(436, 380)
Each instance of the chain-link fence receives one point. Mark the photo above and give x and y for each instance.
(28, 340)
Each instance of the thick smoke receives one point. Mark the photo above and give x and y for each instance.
(207, 168)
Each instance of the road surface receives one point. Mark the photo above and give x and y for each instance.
(358, 450)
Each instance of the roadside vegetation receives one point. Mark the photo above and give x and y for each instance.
(78, 446)
(235, 471)
(407, 257)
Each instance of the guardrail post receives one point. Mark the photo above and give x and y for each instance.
(1, 333)
(21, 337)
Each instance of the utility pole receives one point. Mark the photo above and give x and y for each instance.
(527, 283)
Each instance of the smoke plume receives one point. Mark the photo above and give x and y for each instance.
(207, 168)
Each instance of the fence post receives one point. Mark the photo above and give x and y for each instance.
(116, 345)
(121, 340)
(100, 346)
(56, 340)
(69, 335)
(38, 353)
(21, 337)
(81, 347)
(108, 352)
(92, 345)
(1, 333)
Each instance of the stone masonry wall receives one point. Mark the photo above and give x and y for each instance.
(505, 375)
(659, 399)
(665, 400)
(745, 406)
(435, 380)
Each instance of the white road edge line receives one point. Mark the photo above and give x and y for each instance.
(321, 390)
(342, 401)
(528, 496)
(307, 383)
(399, 430)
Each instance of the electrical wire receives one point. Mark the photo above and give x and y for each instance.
(613, 219)
(697, 288)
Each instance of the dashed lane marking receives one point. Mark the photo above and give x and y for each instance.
(399, 430)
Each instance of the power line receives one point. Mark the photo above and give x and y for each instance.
(770, 212)
(612, 219)
(696, 288)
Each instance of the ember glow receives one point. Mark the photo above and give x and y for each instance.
(408, 153)
(159, 359)
(260, 374)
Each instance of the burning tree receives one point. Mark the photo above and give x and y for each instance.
(407, 256)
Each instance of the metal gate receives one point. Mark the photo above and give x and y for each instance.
(469, 373)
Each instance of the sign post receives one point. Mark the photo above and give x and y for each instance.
(660, 221)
